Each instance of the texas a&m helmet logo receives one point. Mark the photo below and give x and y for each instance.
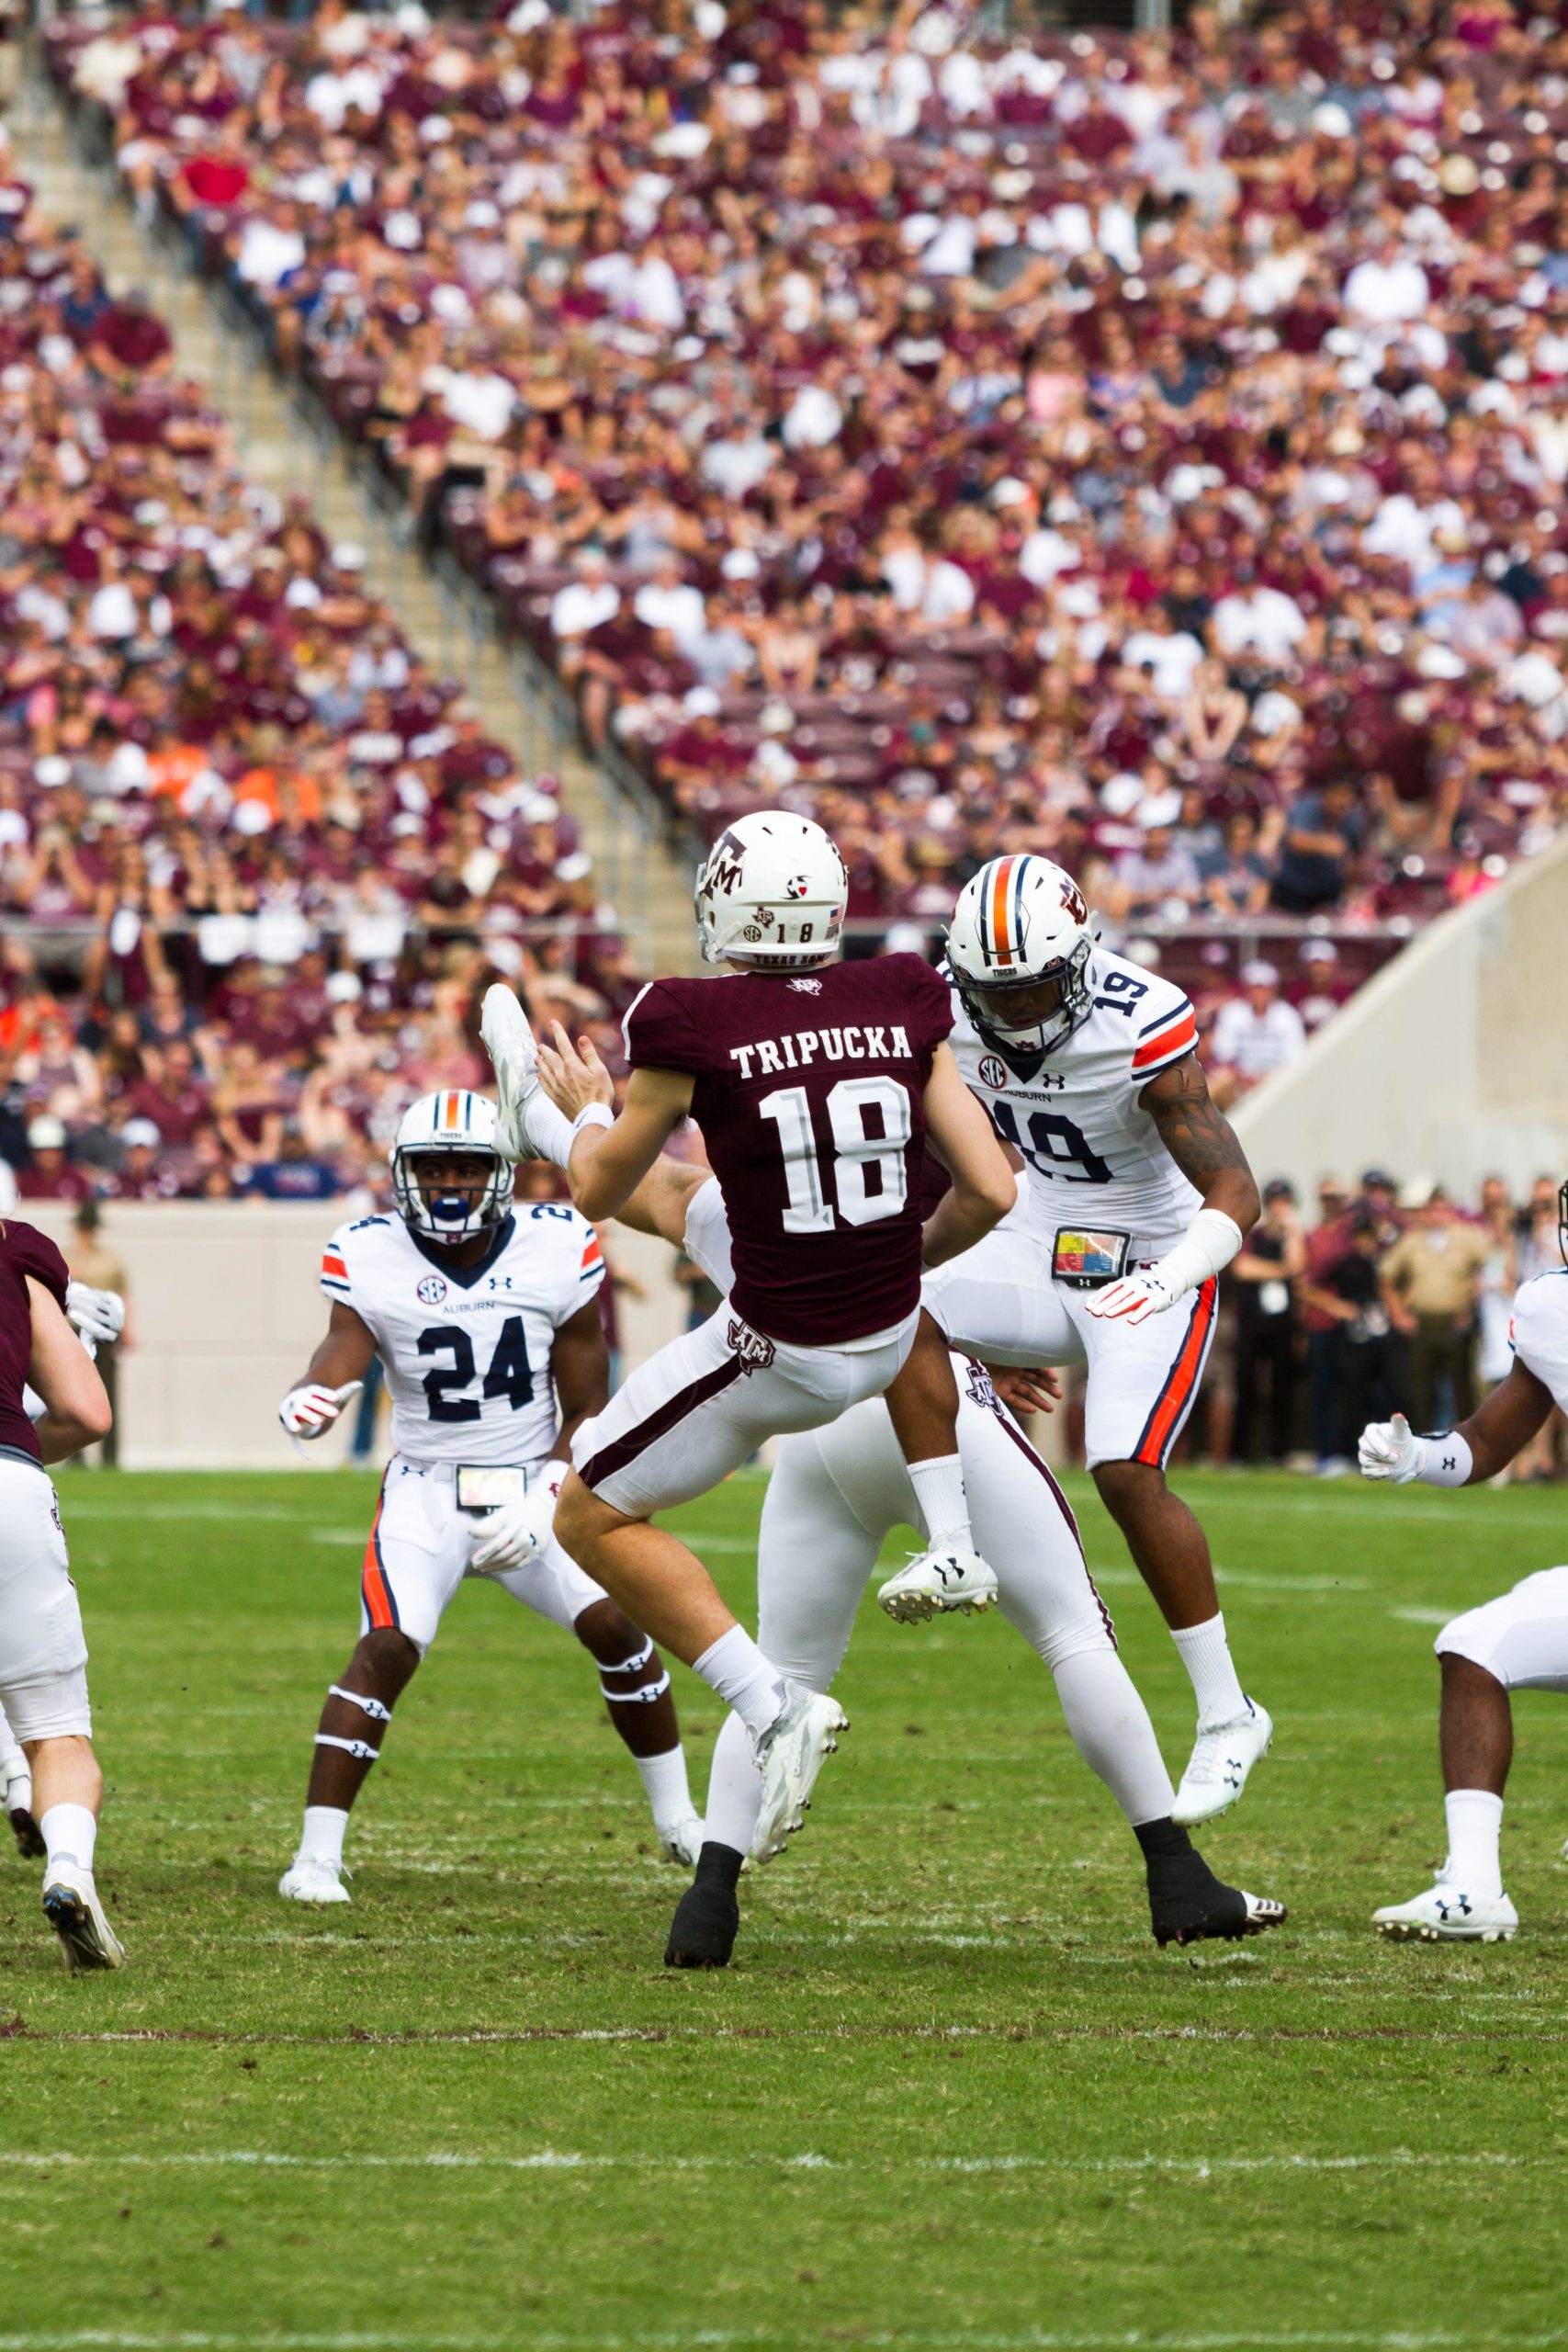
(993, 1072)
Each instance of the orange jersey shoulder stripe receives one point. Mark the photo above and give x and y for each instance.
(1182, 1033)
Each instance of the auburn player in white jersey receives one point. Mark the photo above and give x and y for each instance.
(487, 1323)
(835, 1494)
(1136, 1195)
(1518, 1642)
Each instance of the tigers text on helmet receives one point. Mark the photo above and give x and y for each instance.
(771, 894)
(1018, 948)
(451, 1125)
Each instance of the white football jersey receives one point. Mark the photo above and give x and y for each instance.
(1540, 1333)
(467, 1349)
(1090, 1154)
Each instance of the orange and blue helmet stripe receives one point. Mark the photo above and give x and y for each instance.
(1002, 929)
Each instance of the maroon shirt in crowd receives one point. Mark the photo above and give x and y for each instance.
(24, 1250)
(809, 1093)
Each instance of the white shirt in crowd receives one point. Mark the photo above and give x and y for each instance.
(583, 605)
(1256, 1043)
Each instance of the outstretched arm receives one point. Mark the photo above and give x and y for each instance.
(1202, 1141)
(76, 1405)
(1500, 1426)
(576, 1077)
(984, 1186)
(610, 1157)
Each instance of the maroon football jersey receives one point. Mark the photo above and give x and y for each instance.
(810, 1096)
(24, 1250)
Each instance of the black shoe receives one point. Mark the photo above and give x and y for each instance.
(29, 1837)
(707, 1917)
(1188, 1904)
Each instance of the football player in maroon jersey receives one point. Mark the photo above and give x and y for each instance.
(816, 1086)
(43, 1656)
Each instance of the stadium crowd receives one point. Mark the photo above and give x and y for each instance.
(1145, 449)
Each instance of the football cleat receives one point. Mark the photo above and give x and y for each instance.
(934, 1583)
(683, 1841)
(707, 1917)
(790, 1754)
(1446, 1915)
(309, 1878)
(72, 1907)
(16, 1804)
(509, 1041)
(1217, 1769)
(1188, 1904)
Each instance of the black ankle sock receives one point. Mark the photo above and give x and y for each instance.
(1161, 1841)
(718, 1866)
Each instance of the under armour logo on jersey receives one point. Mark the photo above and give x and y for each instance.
(756, 1353)
(808, 986)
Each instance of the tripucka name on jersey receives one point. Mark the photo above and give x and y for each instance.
(799, 1051)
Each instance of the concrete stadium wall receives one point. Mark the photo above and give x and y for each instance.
(1449, 1064)
(224, 1314)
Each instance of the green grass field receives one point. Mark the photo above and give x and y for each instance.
(950, 2094)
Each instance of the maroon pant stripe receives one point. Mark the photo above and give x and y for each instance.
(1065, 1509)
(675, 1409)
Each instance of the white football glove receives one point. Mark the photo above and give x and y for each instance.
(1134, 1298)
(510, 1537)
(98, 1315)
(307, 1411)
(1391, 1450)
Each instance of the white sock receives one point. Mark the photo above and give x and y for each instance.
(938, 1490)
(1205, 1654)
(548, 1129)
(664, 1778)
(321, 1840)
(70, 1833)
(1111, 1732)
(735, 1790)
(1475, 1825)
(735, 1669)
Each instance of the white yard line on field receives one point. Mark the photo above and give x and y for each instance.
(550, 2160)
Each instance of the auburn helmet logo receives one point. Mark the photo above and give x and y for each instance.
(1073, 900)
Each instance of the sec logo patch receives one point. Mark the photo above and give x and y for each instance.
(432, 1290)
(993, 1072)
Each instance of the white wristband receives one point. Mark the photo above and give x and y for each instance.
(593, 1114)
(1208, 1244)
(1446, 1459)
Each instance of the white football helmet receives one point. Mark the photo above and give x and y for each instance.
(771, 894)
(449, 1126)
(1018, 948)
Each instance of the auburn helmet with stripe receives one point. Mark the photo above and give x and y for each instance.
(1018, 948)
(444, 1126)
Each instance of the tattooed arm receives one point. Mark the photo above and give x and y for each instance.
(1202, 1141)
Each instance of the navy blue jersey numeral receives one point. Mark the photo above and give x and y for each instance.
(554, 1208)
(1122, 993)
(510, 1373)
(1056, 1145)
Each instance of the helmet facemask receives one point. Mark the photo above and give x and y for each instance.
(450, 1195)
(1030, 1015)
